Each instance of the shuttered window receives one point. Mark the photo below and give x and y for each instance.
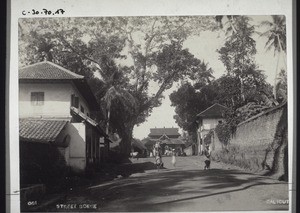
(74, 101)
(37, 98)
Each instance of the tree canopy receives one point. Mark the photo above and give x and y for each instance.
(120, 56)
(276, 39)
(243, 87)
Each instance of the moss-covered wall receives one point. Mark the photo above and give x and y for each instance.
(259, 144)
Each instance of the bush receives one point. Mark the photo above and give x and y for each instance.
(207, 139)
(223, 133)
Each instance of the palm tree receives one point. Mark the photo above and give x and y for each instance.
(281, 86)
(276, 35)
(114, 96)
(114, 93)
(207, 73)
(228, 27)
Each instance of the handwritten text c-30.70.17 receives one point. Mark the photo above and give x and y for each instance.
(43, 12)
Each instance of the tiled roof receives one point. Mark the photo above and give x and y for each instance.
(40, 130)
(162, 131)
(215, 110)
(173, 141)
(47, 70)
(150, 142)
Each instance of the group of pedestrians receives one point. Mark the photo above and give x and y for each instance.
(157, 153)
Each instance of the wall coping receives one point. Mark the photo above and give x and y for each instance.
(263, 113)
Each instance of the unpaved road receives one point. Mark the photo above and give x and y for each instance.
(187, 187)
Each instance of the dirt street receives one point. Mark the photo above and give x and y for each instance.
(186, 187)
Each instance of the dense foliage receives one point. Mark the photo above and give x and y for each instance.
(120, 56)
(223, 133)
(243, 87)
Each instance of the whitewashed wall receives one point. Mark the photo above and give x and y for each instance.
(77, 147)
(57, 100)
(210, 123)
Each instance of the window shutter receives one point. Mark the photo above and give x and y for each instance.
(76, 102)
(72, 100)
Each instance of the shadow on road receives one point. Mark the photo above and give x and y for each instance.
(138, 187)
(140, 167)
(148, 192)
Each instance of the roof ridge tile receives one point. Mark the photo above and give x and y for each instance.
(47, 70)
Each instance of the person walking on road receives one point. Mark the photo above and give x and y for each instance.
(173, 158)
(158, 153)
(207, 153)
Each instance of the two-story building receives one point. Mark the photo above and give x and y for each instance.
(56, 111)
(208, 120)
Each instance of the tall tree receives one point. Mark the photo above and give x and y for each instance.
(188, 103)
(239, 49)
(276, 35)
(281, 86)
(189, 100)
(125, 53)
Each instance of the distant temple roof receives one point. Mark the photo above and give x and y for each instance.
(149, 143)
(175, 141)
(169, 132)
(216, 110)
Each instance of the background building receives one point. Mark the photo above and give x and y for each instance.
(208, 120)
(169, 138)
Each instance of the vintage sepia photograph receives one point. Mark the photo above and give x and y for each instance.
(153, 113)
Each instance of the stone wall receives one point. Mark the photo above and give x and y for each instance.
(215, 142)
(258, 130)
(256, 142)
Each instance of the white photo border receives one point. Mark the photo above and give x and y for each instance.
(81, 8)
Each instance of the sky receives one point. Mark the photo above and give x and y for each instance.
(204, 48)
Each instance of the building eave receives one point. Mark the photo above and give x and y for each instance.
(89, 120)
(202, 114)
